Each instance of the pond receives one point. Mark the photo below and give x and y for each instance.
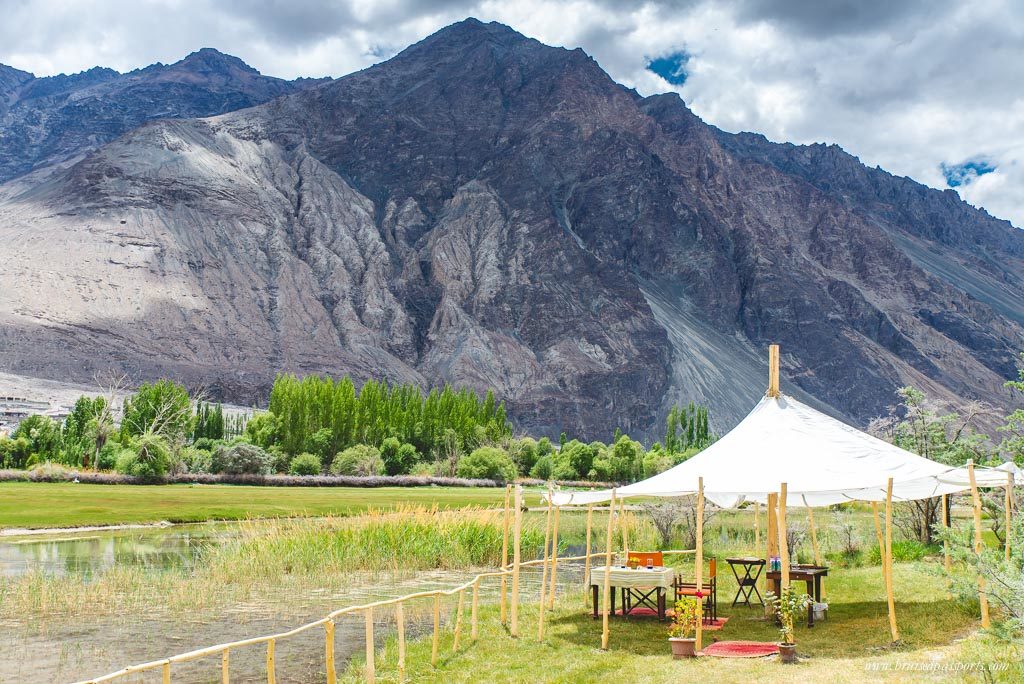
(87, 553)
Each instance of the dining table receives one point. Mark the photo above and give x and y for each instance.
(638, 587)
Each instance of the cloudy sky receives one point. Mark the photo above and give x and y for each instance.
(931, 89)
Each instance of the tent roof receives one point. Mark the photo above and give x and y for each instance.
(822, 461)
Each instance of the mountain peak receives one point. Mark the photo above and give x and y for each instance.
(211, 60)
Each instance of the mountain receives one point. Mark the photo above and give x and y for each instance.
(56, 118)
(485, 210)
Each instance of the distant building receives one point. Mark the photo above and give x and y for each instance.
(13, 410)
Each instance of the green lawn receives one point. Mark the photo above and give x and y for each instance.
(37, 504)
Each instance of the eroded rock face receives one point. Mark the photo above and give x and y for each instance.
(488, 211)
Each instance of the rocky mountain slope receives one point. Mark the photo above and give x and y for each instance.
(485, 210)
(55, 118)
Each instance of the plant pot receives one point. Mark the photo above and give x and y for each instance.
(683, 648)
(787, 653)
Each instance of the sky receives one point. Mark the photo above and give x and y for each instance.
(931, 89)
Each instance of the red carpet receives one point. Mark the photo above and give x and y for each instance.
(740, 649)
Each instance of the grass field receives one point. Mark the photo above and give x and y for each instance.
(40, 505)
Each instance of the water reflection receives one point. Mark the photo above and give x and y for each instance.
(83, 555)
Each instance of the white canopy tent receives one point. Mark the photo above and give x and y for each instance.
(822, 460)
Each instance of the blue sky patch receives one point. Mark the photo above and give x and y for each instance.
(671, 67)
(967, 172)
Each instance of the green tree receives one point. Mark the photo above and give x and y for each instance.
(42, 435)
(162, 408)
(487, 463)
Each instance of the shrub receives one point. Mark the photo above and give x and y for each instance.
(398, 458)
(109, 455)
(240, 459)
(280, 460)
(360, 459)
(305, 464)
(207, 444)
(197, 460)
(524, 453)
(150, 461)
(487, 463)
(902, 551)
(542, 468)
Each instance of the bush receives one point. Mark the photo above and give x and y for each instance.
(280, 460)
(150, 461)
(360, 459)
(207, 444)
(240, 459)
(398, 458)
(196, 460)
(109, 455)
(524, 454)
(902, 551)
(542, 468)
(487, 463)
(305, 464)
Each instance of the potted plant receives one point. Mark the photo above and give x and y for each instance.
(684, 624)
(787, 606)
(633, 563)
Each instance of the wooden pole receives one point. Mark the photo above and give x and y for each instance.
(946, 561)
(332, 673)
(517, 536)
(400, 619)
(554, 561)
(771, 543)
(814, 534)
(544, 571)
(504, 557)
(881, 542)
(889, 596)
(458, 622)
(1008, 507)
(225, 666)
(979, 545)
(371, 649)
(698, 568)
(166, 671)
(624, 530)
(437, 630)
(271, 673)
(773, 370)
(757, 526)
(783, 542)
(474, 631)
(607, 593)
(586, 561)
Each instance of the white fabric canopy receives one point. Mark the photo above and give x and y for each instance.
(822, 461)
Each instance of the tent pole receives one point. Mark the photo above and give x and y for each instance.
(814, 534)
(517, 538)
(699, 564)
(770, 543)
(544, 572)
(554, 560)
(881, 543)
(607, 593)
(586, 561)
(979, 544)
(946, 561)
(889, 597)
(504, 557)
(1008, 506)
(757, 526)
(783, 541)
(773, 370)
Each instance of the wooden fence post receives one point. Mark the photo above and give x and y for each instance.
(607, 593)
(225, 666)
(586, 561)
(554, 561)
(332, 674)
(517, 537)
(371, 649)
(698, 569)
(400, 619)
(889, 595)
(167, 673)
(474, 631)
(437, 630)
(979, 545)
(504, 557)
(544, 571)
(458, 622)
(271, 671)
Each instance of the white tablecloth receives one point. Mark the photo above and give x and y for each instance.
(641, 577)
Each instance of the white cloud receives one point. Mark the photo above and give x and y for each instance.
(904, 85)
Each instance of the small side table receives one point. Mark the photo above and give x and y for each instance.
(747, 583)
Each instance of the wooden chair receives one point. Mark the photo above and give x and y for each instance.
(709, 589)
(654, 559)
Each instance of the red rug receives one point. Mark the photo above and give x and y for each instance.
(740, 649)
